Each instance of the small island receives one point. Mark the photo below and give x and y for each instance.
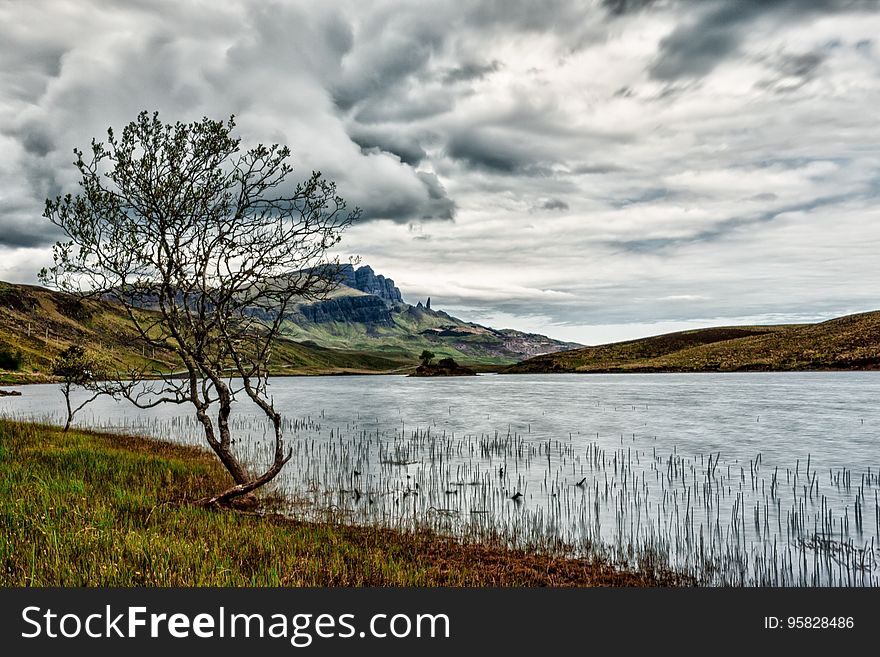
(443, 367)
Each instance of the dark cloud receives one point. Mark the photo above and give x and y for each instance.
(713, 30)
(562, 17)
(393, 208)
(394, 51)
(468, 72)
(404, 205)
(37, 142)
(407, 148)
(802, 66)
(497, 153)
(405, 105)
(725, 228)
(695, 47)
(338, 34)
(622, 7)
(29, 61)
(21, 225)
(792, 71)
(441, 206)
(636, 197)
(598, 169)
(480, 153)
(554, 204)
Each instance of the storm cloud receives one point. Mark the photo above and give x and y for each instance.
(714, 30)
(591, 169)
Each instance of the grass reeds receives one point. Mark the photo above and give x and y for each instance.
(93, 509)
(625, 499)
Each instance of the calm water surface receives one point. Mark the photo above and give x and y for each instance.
(753, 478)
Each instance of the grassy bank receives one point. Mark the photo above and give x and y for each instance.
(104, 510)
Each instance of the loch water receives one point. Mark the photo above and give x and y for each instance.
(743, 478)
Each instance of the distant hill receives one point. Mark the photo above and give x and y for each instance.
(367, 313)
(364, 327)
(359, 331)
(38, 323)
(847, 343)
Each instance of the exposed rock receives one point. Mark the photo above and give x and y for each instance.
(366, 280)
(374, 309)
(382, 307)
(477, 340)
(10, 393)
(366, 309)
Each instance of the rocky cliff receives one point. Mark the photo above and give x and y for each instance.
(367, 312)
(366, 280)
(368, 309)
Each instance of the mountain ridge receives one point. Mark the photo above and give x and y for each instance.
(38, 323)
(367, 281)
(367, 312)
(363, 329)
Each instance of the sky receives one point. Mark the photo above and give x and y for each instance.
(594, 171)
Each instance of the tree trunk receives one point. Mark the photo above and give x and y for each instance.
(222, 449)
(66, 391)
(247, 485)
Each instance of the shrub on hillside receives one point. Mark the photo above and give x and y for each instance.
(10, 359)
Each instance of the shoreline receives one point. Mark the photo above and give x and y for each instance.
(120, 510)
(44, 379)
(817, 370)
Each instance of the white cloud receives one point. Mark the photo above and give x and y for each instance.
(589, 186)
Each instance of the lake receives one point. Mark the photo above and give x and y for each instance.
(746, 478)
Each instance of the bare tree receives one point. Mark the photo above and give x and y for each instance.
(78, 368)
(177, 219)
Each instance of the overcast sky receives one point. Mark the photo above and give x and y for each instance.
(591, 170)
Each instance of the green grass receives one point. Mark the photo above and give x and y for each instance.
(92, 509)
(403, 341)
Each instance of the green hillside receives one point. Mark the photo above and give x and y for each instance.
(411, 330)
(367, 313)
(363, 326)
(36, 324)
(850, 342)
